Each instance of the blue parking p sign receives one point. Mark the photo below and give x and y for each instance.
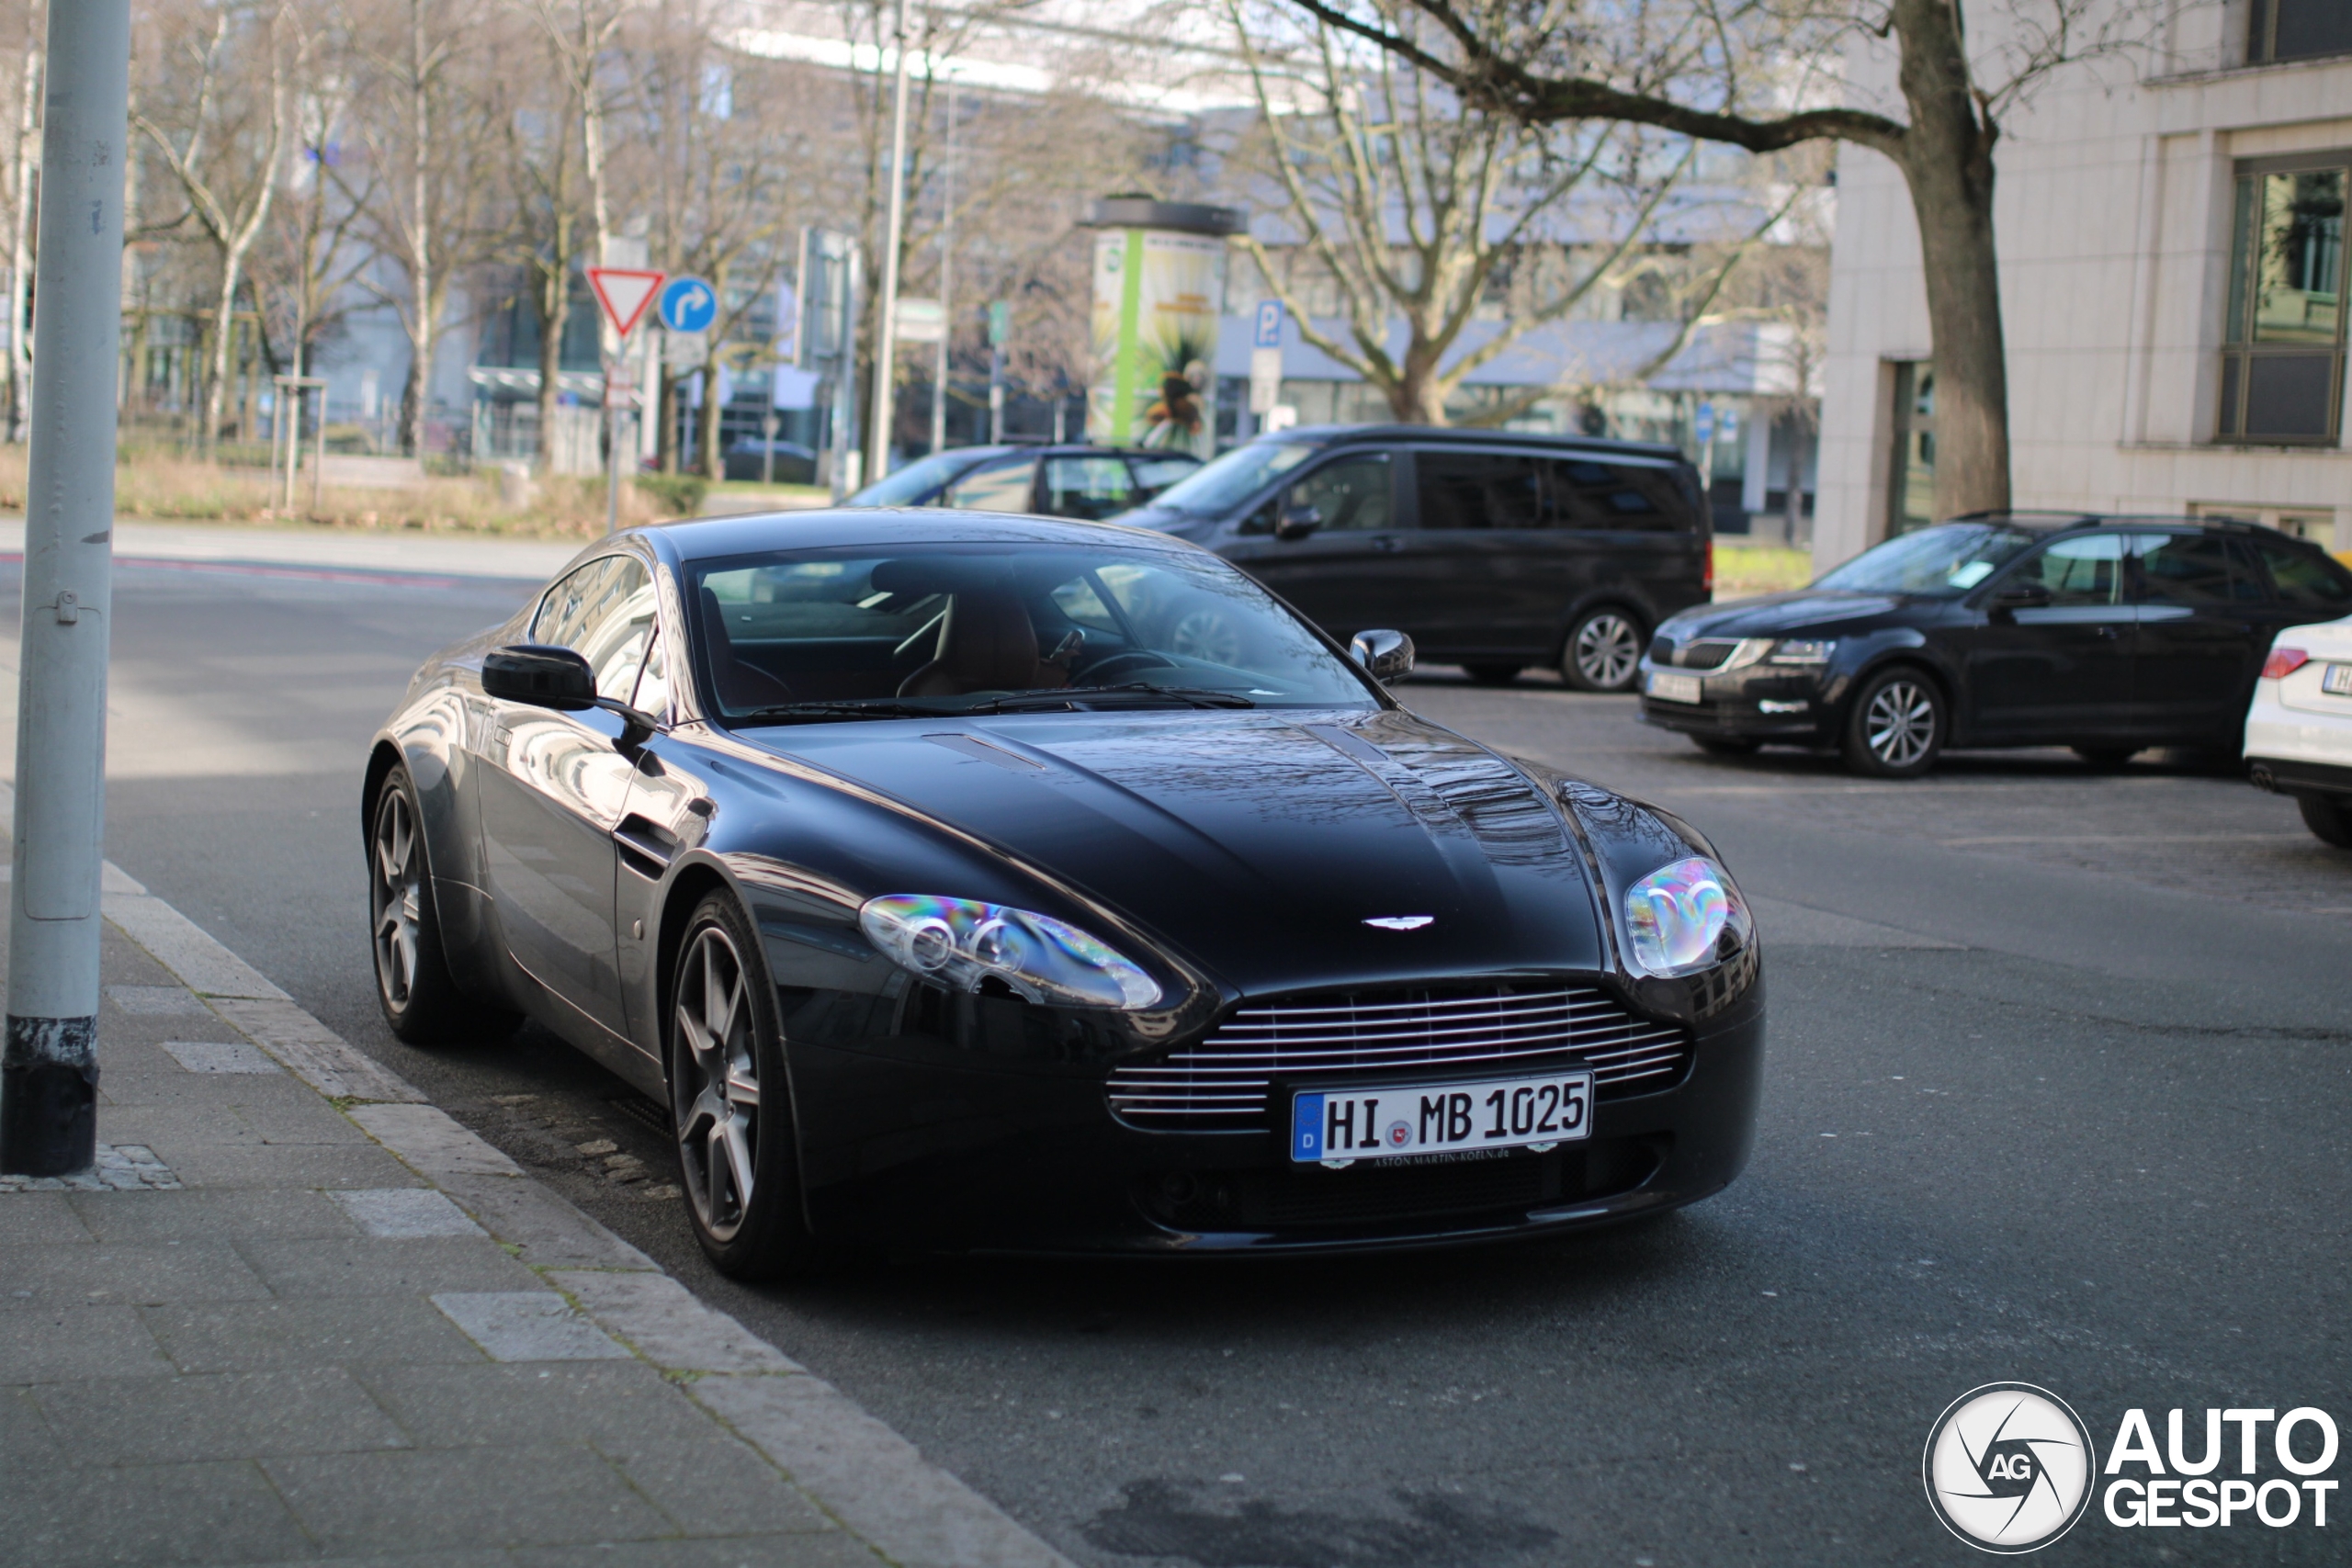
(1269, 323)
(688, 305)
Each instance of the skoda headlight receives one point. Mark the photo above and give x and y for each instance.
(963, 942)
(1802, 650)
(1684, 918)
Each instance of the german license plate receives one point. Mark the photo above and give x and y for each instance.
(1669, 687)
(2338, 680)
(1427, 1118)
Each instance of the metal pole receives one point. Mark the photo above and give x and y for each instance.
(996, 394)
(319, 456)
(886, 333)
(616, 378)
(947, 297)
(49, 1063)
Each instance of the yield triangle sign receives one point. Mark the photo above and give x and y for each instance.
(624, 292)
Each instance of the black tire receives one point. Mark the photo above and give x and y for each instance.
(1897, 726)
(1724, 746)
(2107, 759)
(1603, 652)
(420, 1001)
(2329, 820)
(1487, 674)
(730, 1115)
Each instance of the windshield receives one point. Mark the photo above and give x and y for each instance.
(917, 482)
(962, 629)
(1942, 561)
(1224, 484)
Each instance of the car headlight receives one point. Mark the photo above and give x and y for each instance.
(1684, 918)
(963, 942)
(1802, 650)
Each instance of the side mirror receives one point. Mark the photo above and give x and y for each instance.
(1386, 655)
(540, 676)
(544, 677)
(2011, 598)
(1295, 522)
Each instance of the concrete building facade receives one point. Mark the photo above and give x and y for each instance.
(2170, 224)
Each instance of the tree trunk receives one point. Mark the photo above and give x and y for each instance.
(706, 454)
(555, 315)
(423, 311)
(1947, 161)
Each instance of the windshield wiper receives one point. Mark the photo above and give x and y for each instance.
(812, 712)
(1195, 697)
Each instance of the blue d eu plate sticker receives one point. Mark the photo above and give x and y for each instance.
(1307, 1118)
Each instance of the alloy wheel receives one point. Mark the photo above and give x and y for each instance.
(397, 889)
(715, 1083)
(1900, 724)
(1607, 649)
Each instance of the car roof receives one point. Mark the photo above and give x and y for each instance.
(887, 527)
(1055, 450)
(1449, 435)
(2052, 522)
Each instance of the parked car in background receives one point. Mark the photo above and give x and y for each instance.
(2299, 731)
(1087, 482)
(2106, 634)
(792, 464)
(1490, 549)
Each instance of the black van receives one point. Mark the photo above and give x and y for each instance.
(1489, 549)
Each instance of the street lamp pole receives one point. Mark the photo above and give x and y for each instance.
(885, 335)
(946, 294)
(49, 1062)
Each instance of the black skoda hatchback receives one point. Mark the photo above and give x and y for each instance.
(1490, 549)
(2106, 634)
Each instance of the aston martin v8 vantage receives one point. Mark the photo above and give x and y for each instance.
(953, 893)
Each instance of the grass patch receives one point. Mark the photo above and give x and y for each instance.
(1743, 571)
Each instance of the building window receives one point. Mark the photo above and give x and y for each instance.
(1911, 498)
(2298, 29)
(2282, 360)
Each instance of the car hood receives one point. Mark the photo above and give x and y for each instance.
(1255, 845)
(1776, 615)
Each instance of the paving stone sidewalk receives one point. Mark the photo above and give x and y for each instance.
(278, 1326)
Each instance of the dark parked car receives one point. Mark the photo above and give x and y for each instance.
(2108, 635)
(791, 464)
(1490, 550)
(1086, 482)
(943, 902)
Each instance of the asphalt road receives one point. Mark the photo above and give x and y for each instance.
(2057, 1094)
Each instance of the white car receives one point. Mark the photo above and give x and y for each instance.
(2299, 731)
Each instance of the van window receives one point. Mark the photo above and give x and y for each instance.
(1587, 494)
(1352, 494)
(1479, 490)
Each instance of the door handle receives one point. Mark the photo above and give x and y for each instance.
(1387, 542)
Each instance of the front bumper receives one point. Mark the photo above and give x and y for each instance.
(936, 1157)
(1757, 702)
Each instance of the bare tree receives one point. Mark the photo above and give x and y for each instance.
(1719, 70)
(22, 123)
(307, 277)
(226, 151)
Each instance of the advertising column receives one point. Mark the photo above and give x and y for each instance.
(1158, 296)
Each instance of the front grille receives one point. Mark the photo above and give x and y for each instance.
(1221, 1084)
(1706, 652)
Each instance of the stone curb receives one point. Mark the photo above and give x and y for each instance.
(867, 1477)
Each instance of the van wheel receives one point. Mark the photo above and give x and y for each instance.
(1604, 649)
(2329, 821)
(1493, 674)
(1897, 726)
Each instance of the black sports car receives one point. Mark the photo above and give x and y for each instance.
(948, 901)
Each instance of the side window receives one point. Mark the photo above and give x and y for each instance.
(2305, 580)
(1353, 494)
(605, 611)
(1587, 494)
(2193, 569)
(1479, 490)
(1088, 488)
(1004, 485)
(2084, 571)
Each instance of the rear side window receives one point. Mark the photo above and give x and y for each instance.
(2306, 580)
(1480, 489)
(1088, 487)
(1003, 485)
(1589, 494)
(2195, 568)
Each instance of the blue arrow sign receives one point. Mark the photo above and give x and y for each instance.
(1269, 323)
(687, 305)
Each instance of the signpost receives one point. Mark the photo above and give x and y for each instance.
(1266, 360)
(623, 292)
(1000, 333)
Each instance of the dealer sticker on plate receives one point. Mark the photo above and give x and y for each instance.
(1427, 1118)
(1668, 687)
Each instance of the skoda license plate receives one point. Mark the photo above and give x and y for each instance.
(2338, 680)
(1389, 1124)
(1669, 687)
